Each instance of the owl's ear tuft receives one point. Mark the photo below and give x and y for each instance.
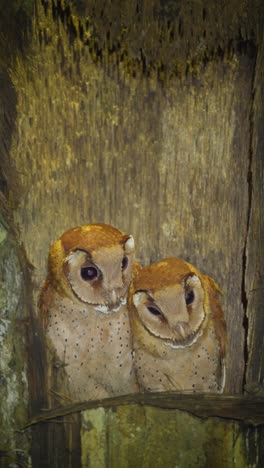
(129, 245)
(137, 267)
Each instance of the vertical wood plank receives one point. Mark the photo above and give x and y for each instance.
(254, 253)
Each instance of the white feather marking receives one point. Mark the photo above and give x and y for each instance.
(122, 302)
(184, 345)
(71, 258)
(104, 309)
(130, 244)
(136, 298)
(75, 257)
(193, 279)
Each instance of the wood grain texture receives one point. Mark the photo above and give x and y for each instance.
(254, 251)
(162, 157)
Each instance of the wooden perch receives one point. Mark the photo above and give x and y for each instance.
(234, 408)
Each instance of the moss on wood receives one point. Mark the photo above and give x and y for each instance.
(14, 445)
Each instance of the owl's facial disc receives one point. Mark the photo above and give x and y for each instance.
(174, 314)
(101, 278)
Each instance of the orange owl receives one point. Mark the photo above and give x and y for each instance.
(83, 307)
(178, 327)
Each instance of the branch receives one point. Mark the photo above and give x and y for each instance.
(249, 409)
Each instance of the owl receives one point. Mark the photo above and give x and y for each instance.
(178, 327)
(83, 309)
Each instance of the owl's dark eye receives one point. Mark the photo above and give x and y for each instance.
(189, 297)
(89, 273)
(124, 263)
(154, 310)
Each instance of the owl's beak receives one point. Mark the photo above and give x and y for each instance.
(181, 329)
(115, 302)
(113, 296)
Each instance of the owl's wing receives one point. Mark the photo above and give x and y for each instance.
(136, 269)
(217, 312)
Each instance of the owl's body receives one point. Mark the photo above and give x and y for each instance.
(178, 327)
(95, 348)
(83, 307)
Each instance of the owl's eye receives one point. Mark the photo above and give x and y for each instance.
(124, 263)
(189, 297)
(154, 310)
(89, 273)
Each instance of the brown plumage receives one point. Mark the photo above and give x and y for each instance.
(83, 308)
(178, 327)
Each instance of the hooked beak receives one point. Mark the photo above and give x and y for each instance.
(113, 296)
(181, 330)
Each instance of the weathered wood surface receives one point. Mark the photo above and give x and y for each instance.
(165, 438)
(254, 246)
(103, 135)
(156, 429)
(14, 320)
(150, 117)
(145, 436)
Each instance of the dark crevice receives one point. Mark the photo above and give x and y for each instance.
(45, 5)
(8, 115)
(244, 297)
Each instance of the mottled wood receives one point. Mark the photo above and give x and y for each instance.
(147, 436)
(14, 321)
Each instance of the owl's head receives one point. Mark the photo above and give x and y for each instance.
(171, 301)
(93, 264)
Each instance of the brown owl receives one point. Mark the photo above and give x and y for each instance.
(178, 327)
(83, 307)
